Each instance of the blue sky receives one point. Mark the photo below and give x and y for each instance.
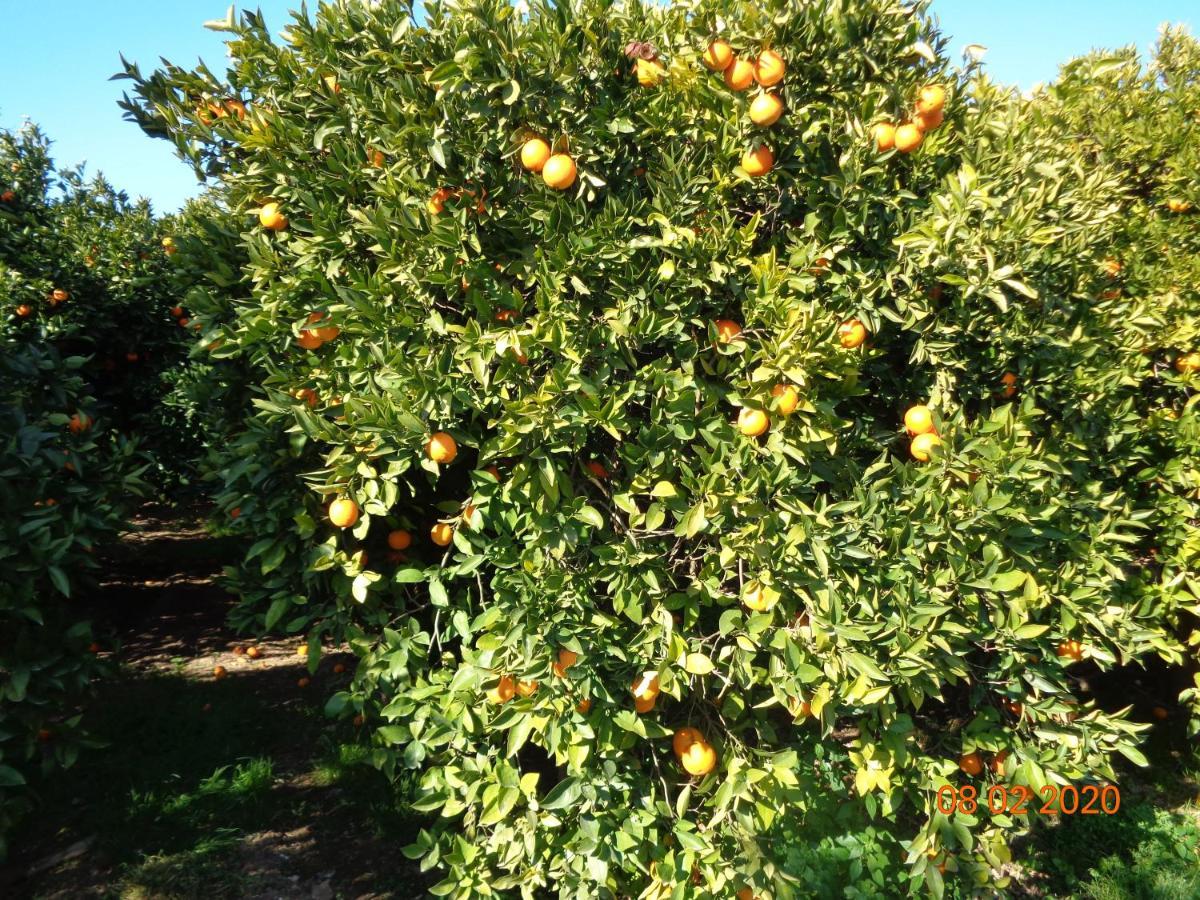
(58, 55)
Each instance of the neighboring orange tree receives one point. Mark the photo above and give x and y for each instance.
(85, 333)
(572, 355)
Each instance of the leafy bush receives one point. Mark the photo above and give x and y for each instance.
(586, 511)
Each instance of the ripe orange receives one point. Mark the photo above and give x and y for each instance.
(759, 161)
(566, 659)
(852, 333)
(699, 758)
(504, 690)
(7, 197)
(80, 422)
(527, 688)
(1013, 708)
(441, 448)
(183, 323)
(253, 652)
(24, 311)
(493, 471)
(739, 75)
(131, 357)
(1176, 205)
(331, 83)
(908, 137)
(327, 333)
(971, 763)
(559, 172)
(884, 134)
(769, 69)
(584, 706)
(597, 469)
(752, 422)
(45, 735)
(1188, 363)
(399, 539)
(271, 218)
(94, 647)
(718, 56)
(745, 894)
(1111, 267)
(645, 693)
(58, 295)
(766, 109)
(727, 330)
(926, 122)
(755, 597)
(918, 420)
(534, 153)
(343, 513)
(997, 762)
(437, 203)
(303, 683)
(176, 311)
(649, 72)
(1071, 649)
(922, 446)
(684, 738)
(219, 672)
(442, 534)
(1009, 380)
(237, 108)
(376, 157)
(786, 398)
(238, 651)
(931, 99)
(235, 512)
(1161, 713)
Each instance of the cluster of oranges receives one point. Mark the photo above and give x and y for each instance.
(972, 763)
(558, 170)
(765, 110)
(929, 113)
(177, 313)
(918, 422)
(313, 338)
(694, 753)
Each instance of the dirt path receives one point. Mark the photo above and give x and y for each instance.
(238, 787)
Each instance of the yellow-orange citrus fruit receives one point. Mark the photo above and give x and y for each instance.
(852, 333)
(918, 419)
(884, 135)
(971, 763)
(177, 311)
(1187, 363)
(219, 672)
(339, 669)
(908, 137)
(786, 398)
(559, 172)
(727, 330)
(769, 69)
(931, 99)
(271, 217)
(766, 109)
(699, 758)
(997, 762)
(756, 597)
(926, 122)
(527, 688)
(584, 706)
(309, 340)
(58, 295)
(718, 56)
(442, 534)
(922, 446)
(441, 448)
(645, 692)
(759, 161)
(328, 333)
(399, 539)
(534, 153)
(1009, 381)
(597, 469)
(343, 513)
(649, 72)
(168, 242)
(752, 422)
(1070, 648)
(566, 659)
(437, 202)
(253, 652)
(331, 83)
(684, 738)
(80, 422)
(739, 75)
(24, 311)
(1112, 267)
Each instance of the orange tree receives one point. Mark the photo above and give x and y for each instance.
(576, 347)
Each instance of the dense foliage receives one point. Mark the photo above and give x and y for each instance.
(583, 459)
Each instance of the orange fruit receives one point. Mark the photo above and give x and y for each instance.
(24, 311)
(584, 706)
(928, 121)
(786, 398)
(58, 295)
(1009, 380)
(769, 69)
(1013, 708)
(331, 83)
(376, 157)
(918, 419)
(645, 692)
(328, 333)
(766, 109)
(131, 357)
(238, 651)
(44, 735)
(442, 534)
(684, 738)
(727, 330)
(699, 758)
(183, 323)
(739, 75)
(1071, 649)
(755, 597)
(745, 894)
(718, 56)
(219, 672)
(997, 762)
(1161, 713)
(359, 720)
(437, 202)
(80, 422)
(566, 659)
(597, 469)
(534, 153)
(1176, 205)
(752, 422)
(908, 137)
(303, 682)
(7, 197)
(302, 650)
(236, 107)
(649, 72)
(176, 311)
(504, 690)
(307, 395)
(852, 333)
(971, 763)
(1112, 267)
(493, 471)
(527, 688)
(759, 161)
(94, 647)
(884, 134)
(235, 512)
(931, 99)
(559, 172)
(343, 513)
(922, 446)
(399, 539)
(253, 652)
(339, 669)
(441, 448)
(1188, 363)
(271, 218)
